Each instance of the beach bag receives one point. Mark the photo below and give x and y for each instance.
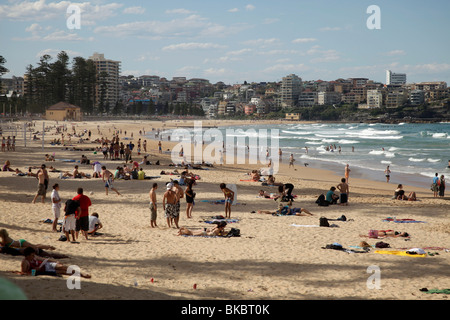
(382, 244)
(321, 201)
(234, 233)
(323, 222)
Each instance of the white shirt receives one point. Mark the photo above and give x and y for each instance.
(92, 222)
(55, 196)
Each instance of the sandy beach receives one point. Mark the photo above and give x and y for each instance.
(275, 258)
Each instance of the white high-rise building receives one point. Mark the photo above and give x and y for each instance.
(291, 87)
(395, 78)
(112, 68)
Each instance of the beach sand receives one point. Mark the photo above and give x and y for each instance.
(274, 259)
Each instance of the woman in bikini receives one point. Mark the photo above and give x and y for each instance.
(17, 247)
(7, 241)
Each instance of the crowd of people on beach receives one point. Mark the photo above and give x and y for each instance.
(77, 222)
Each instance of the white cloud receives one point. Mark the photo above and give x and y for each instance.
(148, 57)
(192, 46)
(179, 11)
(304, 40)
(279, 52)
(134, 10)
(330, 29)
(42, 10)
(323, 55)
(34, 28)
(270, 20)
(395, 53)
(262, 42)
(239, 52)
(54, 53)
(37, 34)
(214, 71)
(192, 25)
(250, 7)
(286, 68)
(233, 10)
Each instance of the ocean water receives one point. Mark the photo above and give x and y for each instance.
(414, 152)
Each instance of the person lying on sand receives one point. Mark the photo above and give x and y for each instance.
(7, 241)
(386, 233)
(215, 231)
(287, 211)
(44, 266)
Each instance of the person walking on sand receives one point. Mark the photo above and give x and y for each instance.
(291, 160)
(229, 198)
(347, 172)
(108, 178)
(387, 172)
(41, 187)
(153, 206)
(344, 190)
(170, 199)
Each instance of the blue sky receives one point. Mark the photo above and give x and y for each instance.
(236, 41)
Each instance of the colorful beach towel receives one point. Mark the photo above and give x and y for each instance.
(219, 220)
(400, 253)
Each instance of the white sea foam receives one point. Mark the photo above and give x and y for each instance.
(433, 160)
(297, 132)
(416, 160)
(440, 135)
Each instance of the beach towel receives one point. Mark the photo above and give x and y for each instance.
(219, 220)
(445, 291)
(389, 219)
(400, 253)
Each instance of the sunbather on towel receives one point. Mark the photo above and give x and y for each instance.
(215, 231)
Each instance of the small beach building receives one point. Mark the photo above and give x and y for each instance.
(63, 111)
(293, 116)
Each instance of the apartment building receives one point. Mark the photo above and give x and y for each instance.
(112, 68)
(374, 99)
(395, 78)
(328, 98)
(417, 97)
(291, 88)
(307, 99)
(396, 98)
